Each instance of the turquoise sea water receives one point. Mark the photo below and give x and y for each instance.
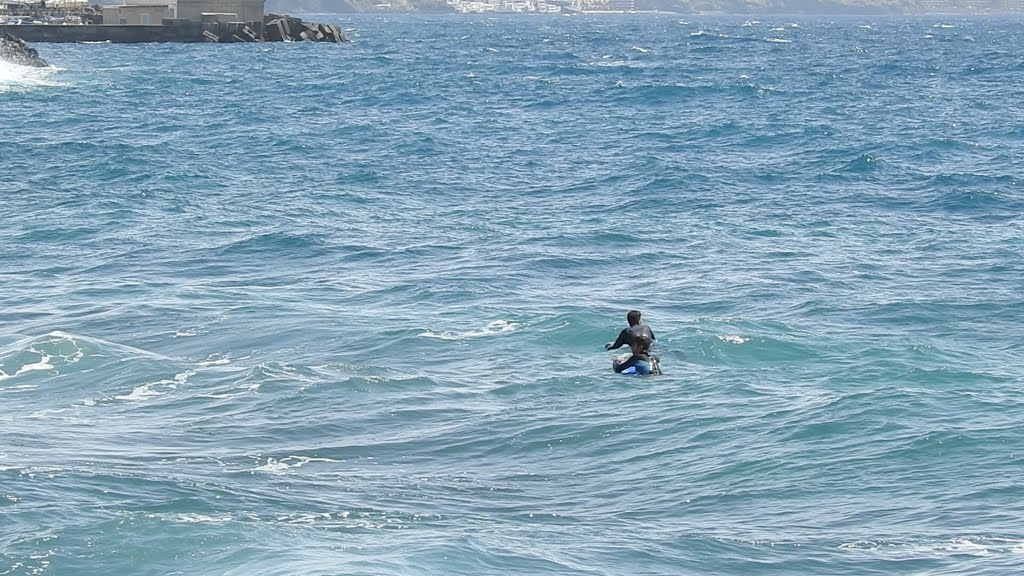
(317, 309)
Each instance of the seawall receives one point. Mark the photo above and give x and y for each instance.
(274, 28)
(102, 33)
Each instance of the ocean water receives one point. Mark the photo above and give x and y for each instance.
(340, 309)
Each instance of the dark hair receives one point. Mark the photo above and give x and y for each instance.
(633, 317)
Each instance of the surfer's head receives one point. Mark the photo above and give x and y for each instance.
(633, 317)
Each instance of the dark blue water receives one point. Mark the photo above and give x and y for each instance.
(318, 309)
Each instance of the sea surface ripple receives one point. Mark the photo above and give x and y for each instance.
(285, 309)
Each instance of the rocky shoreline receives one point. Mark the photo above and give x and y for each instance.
(16, 51)
(273, 28)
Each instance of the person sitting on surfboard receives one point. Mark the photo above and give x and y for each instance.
(629, 334)
(641, 362)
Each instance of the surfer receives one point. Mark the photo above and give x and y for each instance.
(641, 362)
(635, 330)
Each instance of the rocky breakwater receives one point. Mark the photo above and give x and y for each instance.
(287, 28)
(274, 28)
(16, 51)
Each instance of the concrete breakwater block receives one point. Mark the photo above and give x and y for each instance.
(277, 28)
(228, 32)
(247, 34)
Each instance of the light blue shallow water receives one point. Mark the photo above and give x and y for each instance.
(314, 309)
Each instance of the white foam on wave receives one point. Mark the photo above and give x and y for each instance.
(559, 326)
(495, 328)
(192, 518)
(32, 346)
(288, 463)
(700, 33)
(52, 354)
(962, 546)
(149, 390)
(55, 353)
(213, 361)
(613, 64)
(778, 40)
(42, 364)
(253, 388)
(731, 339)
(305, 518)
(139, 393)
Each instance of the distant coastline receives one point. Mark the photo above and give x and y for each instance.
(689, 7)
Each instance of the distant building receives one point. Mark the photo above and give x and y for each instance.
(135, 15)
(941, 6)
(17, 5)
(138, 13)
(246, 10)
(153, 12)
(981, 6)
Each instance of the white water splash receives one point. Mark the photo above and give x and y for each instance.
(16, 78)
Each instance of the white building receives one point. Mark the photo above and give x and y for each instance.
(247, 10)
(152, 12)
(139, 13)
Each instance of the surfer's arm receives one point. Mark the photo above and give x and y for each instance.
(623, 336)
(620, 366)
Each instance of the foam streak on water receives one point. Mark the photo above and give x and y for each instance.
(310, 309)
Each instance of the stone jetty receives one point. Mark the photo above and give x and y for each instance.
(16, 51)
(274, 28)
(218, 28)
(284, 28)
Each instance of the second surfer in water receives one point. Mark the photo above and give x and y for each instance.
(641, 362)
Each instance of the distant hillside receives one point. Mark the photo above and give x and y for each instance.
(782, 6)
(357, 6)
(688, 6)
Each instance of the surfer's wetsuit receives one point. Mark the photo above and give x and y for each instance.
(642, 364)
(629, 334)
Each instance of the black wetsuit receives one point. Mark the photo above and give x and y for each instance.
(629, 334)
